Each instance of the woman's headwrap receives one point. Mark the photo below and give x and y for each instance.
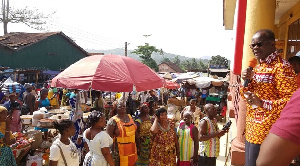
(2, 109)
(120, 101)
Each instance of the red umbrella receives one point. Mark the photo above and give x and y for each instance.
(171, 85)
(112, 73)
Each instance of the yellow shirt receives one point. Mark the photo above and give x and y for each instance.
(274, 82)
(53, 101)
(2, 130)
(118, 95)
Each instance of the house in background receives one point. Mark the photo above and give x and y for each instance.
(29, 55)
(169, 67)
(39, 51)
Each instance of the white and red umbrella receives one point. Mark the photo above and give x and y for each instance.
(112, 73)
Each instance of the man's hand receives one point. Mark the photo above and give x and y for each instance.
(247, 74)
(252, 99)
(221, 133)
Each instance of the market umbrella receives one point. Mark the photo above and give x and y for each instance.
(112, 73)
(171, 85)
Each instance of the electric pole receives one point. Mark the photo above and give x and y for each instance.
(125, 48)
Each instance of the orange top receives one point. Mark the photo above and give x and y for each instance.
(274, 82)
(126, 142)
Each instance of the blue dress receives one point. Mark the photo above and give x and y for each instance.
(7, 157)
(43, 103)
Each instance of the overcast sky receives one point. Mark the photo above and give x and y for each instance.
(192, 28)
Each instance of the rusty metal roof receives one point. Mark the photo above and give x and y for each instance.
(173, 66)
(19, 40)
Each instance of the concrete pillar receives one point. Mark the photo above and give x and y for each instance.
(260, 15)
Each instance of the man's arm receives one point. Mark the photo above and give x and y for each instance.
(204, 136)
(277, 151)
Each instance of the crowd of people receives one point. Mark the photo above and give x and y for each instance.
(123, 136)
(147, 136)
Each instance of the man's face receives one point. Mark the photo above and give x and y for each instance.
(261, 46)
(211, 110)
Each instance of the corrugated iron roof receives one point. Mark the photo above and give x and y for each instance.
(174, 67)
(19, 40)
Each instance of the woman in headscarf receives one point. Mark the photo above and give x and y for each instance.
(43, 101)
(194, 110)
(13, 107)
(65, 98)
(188, 141)
(143, 123)
(122, 127)
(164, 145)
(98, 141)
(6, 138)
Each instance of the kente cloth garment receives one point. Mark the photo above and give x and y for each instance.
(211, 147)
(163, 149)
(144, 139)
(186, 144)
(126, 142)
(95, 157)
(274, 82)
(197, 115)
(7, 157)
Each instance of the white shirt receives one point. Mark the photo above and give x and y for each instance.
(70, 152)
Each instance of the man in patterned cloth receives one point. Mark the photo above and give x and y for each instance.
(271, 84)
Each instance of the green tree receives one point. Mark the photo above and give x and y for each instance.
(177, 60)
(194, 64)
(219, 60)
(202, 66)
(166, 60)
(186, 65)
(145, 53)
(31, 18)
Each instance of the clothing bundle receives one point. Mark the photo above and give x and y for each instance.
(9, 88)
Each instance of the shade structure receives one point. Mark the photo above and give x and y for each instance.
(204, 82)
(112, 73)
(171, 85)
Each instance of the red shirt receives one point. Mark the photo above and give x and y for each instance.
(288, 125)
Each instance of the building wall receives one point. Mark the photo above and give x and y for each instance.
(53, 53)
(165, 68)
(283, 26)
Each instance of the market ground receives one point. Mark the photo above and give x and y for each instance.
(224, 159)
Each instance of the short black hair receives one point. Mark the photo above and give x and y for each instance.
(62, 125)
(268, 33)
(94, 118)
(160, 111)
(294, 59)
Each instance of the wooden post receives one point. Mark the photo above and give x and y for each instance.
(15, 76)
(36, 77)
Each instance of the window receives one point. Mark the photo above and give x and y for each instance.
(293, 44)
